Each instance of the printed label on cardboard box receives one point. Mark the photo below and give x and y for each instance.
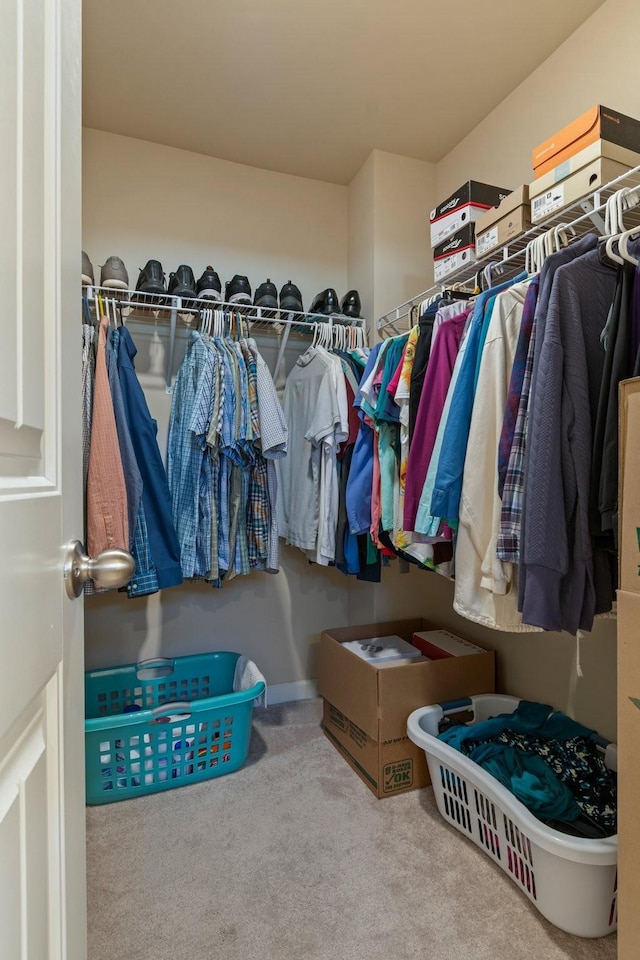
(486, 241)
(338, 719)
(442, 268)
(397, 776)
(357, 735)
(547, 202)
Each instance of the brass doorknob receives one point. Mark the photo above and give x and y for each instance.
(110, 569)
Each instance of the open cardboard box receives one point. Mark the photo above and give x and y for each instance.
(366, 707)
(629, 671)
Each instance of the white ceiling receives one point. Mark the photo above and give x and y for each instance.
(310, 87)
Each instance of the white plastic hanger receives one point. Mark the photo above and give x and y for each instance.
(623, 247)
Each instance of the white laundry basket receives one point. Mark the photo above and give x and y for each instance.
(572, 881)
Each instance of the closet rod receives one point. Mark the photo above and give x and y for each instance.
(584, 214)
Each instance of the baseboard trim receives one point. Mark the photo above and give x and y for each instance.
(287, 692)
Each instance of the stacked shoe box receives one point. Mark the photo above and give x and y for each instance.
(595, 148)
(496, 227)
(452, 225)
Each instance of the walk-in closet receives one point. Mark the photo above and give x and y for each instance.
(319, 592)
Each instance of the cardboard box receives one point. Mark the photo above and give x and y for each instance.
(462, 208)
(366, 709)
(578, 185)
(455, 252)
(598, 123)
(628, 739)
(628, 486)
(628, 736)
(498, 226)
(440, 644)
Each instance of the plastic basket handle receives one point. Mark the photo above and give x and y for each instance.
(161, 663)
(180, 708)
(455, 706)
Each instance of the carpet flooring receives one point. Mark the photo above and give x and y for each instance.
(292, 858)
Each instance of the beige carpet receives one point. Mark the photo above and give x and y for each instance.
(292, 858)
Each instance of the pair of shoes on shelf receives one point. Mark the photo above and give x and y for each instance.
(267, 297)
(327, 303)
(182, 282)
(113, 273)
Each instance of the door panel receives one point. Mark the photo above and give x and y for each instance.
(41, 695)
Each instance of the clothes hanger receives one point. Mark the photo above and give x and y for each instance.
(623, 247)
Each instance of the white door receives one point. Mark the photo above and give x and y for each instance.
(42, 869)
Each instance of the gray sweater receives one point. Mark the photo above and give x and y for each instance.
(557, 558)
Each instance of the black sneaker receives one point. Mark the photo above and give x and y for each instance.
(209, 285)
(237, 290)
(182, 283)
(350, 306)
(266, 295)
(151, 278)
(291, 298)
(326, 302)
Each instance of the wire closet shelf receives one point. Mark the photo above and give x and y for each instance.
(286, 325)
(577, 219)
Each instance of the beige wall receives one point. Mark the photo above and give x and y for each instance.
(362, 236)
(405, 192)
(389, 258)
(596, 64)
(140, 201)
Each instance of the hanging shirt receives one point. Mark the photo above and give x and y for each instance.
(188, 458)
(358, 493)
(156, 498)
(312, 412)
(434, 394)
(516, 382)
(560, 592)
(484, 587)
(88, 375)
(387, 420)
(448, 484)
(107, 524)
(274, 440)
(325, 551)
(132, 476)
(508, 546)
(547, 275)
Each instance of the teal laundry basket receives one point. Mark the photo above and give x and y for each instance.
(163, 723)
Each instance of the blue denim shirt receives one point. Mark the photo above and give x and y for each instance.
(156, 498)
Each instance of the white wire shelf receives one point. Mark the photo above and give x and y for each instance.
(579, 218)
(286, 325)
(153, 307)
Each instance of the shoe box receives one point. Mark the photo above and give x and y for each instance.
(462, 208)
(628, 651)
(598, 123)
(366, 705)
(579, 175)
(455, 252)
(501, 224)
